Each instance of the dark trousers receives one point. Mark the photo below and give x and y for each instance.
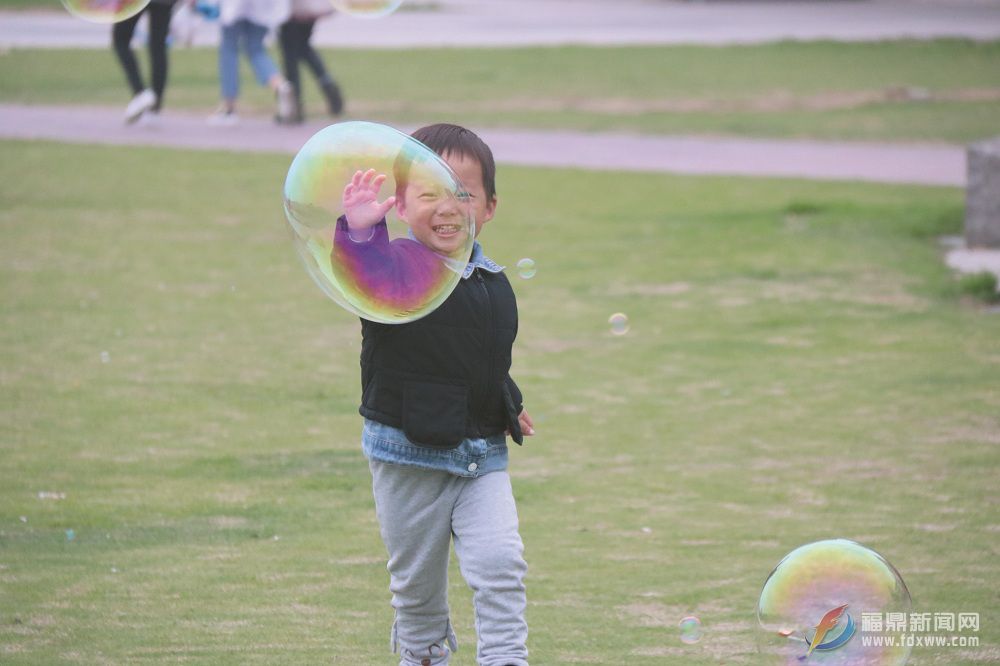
(159, 27)
(294, 37)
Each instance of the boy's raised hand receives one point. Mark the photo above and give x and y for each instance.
(361, 206)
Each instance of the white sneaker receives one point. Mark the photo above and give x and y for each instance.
(286, 102)
(139, 105)
(223, 118)
(149, 119)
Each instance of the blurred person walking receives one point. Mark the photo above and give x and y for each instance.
(295, 35)
(144, 100)
(245, 23)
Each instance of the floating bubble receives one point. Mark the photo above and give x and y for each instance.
(411, 231)
(70, 535)
(619, 324)
(691, 630)
(367, 8)
(812, 606)
(105, 357)
(526, 268)
(105, 11)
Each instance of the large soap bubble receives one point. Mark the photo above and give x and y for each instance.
(367, 8)
(381, 222)
(833, 602)
(105, 11)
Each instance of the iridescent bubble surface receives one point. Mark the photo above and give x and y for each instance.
(105, 11)
(691, 631)
(401, 268)
(526, 268)
(367, 8)
(819, 604)
(619, 323)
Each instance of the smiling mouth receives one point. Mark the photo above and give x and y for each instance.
(446, 229)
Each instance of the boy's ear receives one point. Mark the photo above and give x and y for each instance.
(401, 208)
(491, 209)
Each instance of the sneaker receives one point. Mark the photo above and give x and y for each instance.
(139, 105)
(297, 117)
(334, 100)
(286, 102)
(223, 118)
(149, 119)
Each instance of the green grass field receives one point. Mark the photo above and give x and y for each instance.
(800, 365)
(946, 90)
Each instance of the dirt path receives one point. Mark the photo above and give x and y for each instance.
(924, 164)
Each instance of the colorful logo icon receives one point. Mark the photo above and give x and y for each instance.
(830, 633)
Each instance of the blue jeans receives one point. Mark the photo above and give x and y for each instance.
(251, 35)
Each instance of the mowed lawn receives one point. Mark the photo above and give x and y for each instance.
(176, 391)
(896, 90)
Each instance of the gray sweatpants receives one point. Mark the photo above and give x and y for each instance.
(419, 512)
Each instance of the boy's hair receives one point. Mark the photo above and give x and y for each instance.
(444, 138)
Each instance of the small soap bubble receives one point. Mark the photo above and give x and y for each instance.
(70, 535)
(691, 630)
(104, 11)
(526, 268)
(105, 357)
(619, 324)
(114, 569)
(367, 8)
(24, 519)
(647, 530)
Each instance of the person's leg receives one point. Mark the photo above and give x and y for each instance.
(121, 37)
(331, 91)
(229, 65)
(309, 54)
(291, 53)
(263, 66)
(414, 508)
(490, 554)
(267, 72)
(159, 27)
(288, 37)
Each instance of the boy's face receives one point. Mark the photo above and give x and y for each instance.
(436, 219)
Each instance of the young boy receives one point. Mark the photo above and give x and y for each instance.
(438, 401)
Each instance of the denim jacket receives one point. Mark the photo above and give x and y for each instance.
(472, 458)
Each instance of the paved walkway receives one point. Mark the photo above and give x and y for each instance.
(426, 23)
(925, 164)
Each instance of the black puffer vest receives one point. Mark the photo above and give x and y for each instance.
(445, 377)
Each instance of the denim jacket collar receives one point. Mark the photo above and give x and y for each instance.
(480, 260)
(477, 260)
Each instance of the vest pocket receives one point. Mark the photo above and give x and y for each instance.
(434, 414)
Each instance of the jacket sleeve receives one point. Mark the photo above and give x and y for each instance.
(513, 405)
(396, 273)
(515, 394)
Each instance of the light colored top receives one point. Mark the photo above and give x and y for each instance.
(268, 13)
(311, 8)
